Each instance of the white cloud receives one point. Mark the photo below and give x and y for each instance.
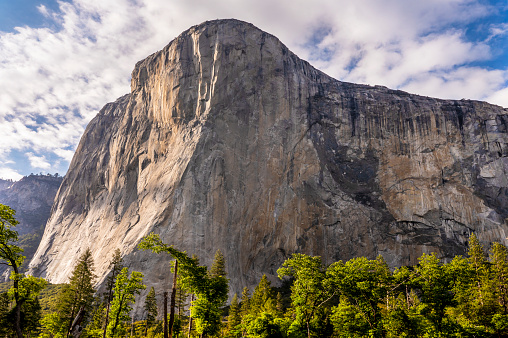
(38, 162)
(500, 97)
(43, 10)
(498, 30)
(54, 81)
(9, 174)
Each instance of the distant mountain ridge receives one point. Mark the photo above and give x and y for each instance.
(229, 141)
(32, 198)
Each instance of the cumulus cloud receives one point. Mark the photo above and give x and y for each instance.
(38, 162)
(54, 80)
(9, 174)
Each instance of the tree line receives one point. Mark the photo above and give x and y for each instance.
(465, 297)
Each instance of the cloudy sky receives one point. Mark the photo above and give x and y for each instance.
(61, 61)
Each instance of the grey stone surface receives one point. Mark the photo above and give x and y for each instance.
(229, 141)
(31, 197)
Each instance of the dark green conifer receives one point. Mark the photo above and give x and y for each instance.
(150, 309)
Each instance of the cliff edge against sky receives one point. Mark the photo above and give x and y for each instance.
(229, 141)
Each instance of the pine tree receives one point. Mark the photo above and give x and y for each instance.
(481, 298)
(116, 266)
(262, 298)
(96, 326)
(219, 265)
(79, 292)
(150, 309)
(245, 302)
(279, 305)
(234, 319)
(499, 260)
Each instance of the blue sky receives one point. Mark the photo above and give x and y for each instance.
(61, 61)
(15, 13)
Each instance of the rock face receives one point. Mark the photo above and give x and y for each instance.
(229, 141)
(32, 198)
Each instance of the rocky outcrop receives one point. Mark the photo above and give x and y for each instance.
(31, 197)
(229, 141)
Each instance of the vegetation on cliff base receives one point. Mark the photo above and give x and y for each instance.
(466, 297)
(23, 315)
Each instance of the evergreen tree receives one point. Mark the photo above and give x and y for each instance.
(499, 260)
(79, 293)
(481, 304)
(263, 298)
(245, 310)
(234, 319)
(124, 293)
(150, 309)
(218, 267)
(115, 266)
(96, 327)
(279, 304)
(245, 302)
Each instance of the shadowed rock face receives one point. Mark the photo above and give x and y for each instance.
(229, 141)
(31, 197)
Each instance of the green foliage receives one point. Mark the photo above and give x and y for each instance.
(499, 261)
(234, 319)
(124, 293)
(9, 252)
(95, 328)
(264, 326)
(48, 298)
(466, 297)
(245, 302)
(52, 326)
(81, 282)
(210, 287)
(433, 280)
(310, 289)
(363, 285)
(115, 266)
(263, 298)
(77, 294)
(25, 314)
(150, 308)
(218, 267)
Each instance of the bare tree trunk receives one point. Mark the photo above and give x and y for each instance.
(190, 319)
(106, 321)
(166, 314)
(173, 301)
(132, 326)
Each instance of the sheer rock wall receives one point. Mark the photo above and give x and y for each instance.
(229, 141)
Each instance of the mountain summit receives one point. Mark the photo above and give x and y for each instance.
(229, 141)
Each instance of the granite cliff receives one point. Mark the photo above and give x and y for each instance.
(229, 141)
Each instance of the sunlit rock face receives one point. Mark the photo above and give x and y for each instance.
(229, 141)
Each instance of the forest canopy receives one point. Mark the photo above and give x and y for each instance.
(361, 297)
